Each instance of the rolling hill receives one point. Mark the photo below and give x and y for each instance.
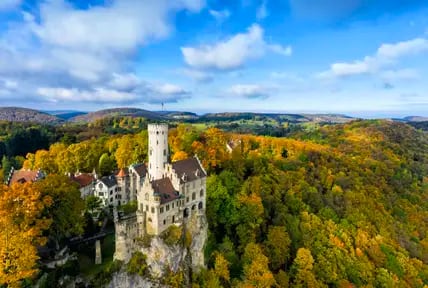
(17, 114)
(116, 112)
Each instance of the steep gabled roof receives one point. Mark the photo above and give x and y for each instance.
(109, 181)
(140, 168)
(84, 179)
(190, 168)
(164, 188)
(23, 176)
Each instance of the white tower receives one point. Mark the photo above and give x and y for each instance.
(158, 150)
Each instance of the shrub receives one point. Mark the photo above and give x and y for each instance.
(172, 235)
(137, 264)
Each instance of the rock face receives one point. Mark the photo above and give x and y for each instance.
(161, 256)
(124, 280)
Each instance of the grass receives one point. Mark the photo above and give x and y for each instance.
(86, 256)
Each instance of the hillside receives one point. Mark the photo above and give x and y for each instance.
(116, 112)
(17, 114)
(65, 114)
(278, 117)
(334, 206)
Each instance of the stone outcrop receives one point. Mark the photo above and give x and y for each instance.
(160, 256)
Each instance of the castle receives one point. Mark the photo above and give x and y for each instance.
(166, 193)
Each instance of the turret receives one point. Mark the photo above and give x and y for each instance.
(158, 150)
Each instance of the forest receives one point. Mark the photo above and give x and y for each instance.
(334, 206)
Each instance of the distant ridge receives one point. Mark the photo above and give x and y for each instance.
(65, 114)
(18, 114)
(117, 112)
(293, 118)
(416, 119)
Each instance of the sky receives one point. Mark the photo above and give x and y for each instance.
(366, 58)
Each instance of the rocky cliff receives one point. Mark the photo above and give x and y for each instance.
(187, 255)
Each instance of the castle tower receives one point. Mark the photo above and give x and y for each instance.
(158, 150)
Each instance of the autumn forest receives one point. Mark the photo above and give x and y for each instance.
(341, 205)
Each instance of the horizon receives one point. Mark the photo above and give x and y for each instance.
(357, 58)
(354, 114)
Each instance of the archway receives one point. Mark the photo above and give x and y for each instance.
(186, 213)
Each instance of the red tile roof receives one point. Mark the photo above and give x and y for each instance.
(122, 173)
(23, 176)
(83, 179)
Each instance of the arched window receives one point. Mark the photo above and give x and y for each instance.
(201, 193)
(186, 213)
(193, 207)
(193, 196)
(200, 205)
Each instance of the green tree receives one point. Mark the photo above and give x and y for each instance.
(67, 209)
(277, 246)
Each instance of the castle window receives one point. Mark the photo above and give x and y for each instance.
(173, 219)
(201, 193)
(118, 203)
(187, 199)
(101, 194)
(172, 205)
(193, 196)
(111, 199)
(167, 207)
(193, 207)
(201, 205)
(164, 221)
(111, 192)
(153, 210)
(161, 209)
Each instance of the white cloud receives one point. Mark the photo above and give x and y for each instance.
(221, 15)
(87, 54)
(386, 55)
(9, 4)
(286, 51)
(232, 53)
(262, 11)
(78, 95)
(170, 89)
(251, 91)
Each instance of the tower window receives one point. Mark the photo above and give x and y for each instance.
(167, 207)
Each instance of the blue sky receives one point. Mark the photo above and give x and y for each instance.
(359, 57)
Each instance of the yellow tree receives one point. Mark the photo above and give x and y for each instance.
(221, 267)
(22, 224)
(302, 268)
(256, 270)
